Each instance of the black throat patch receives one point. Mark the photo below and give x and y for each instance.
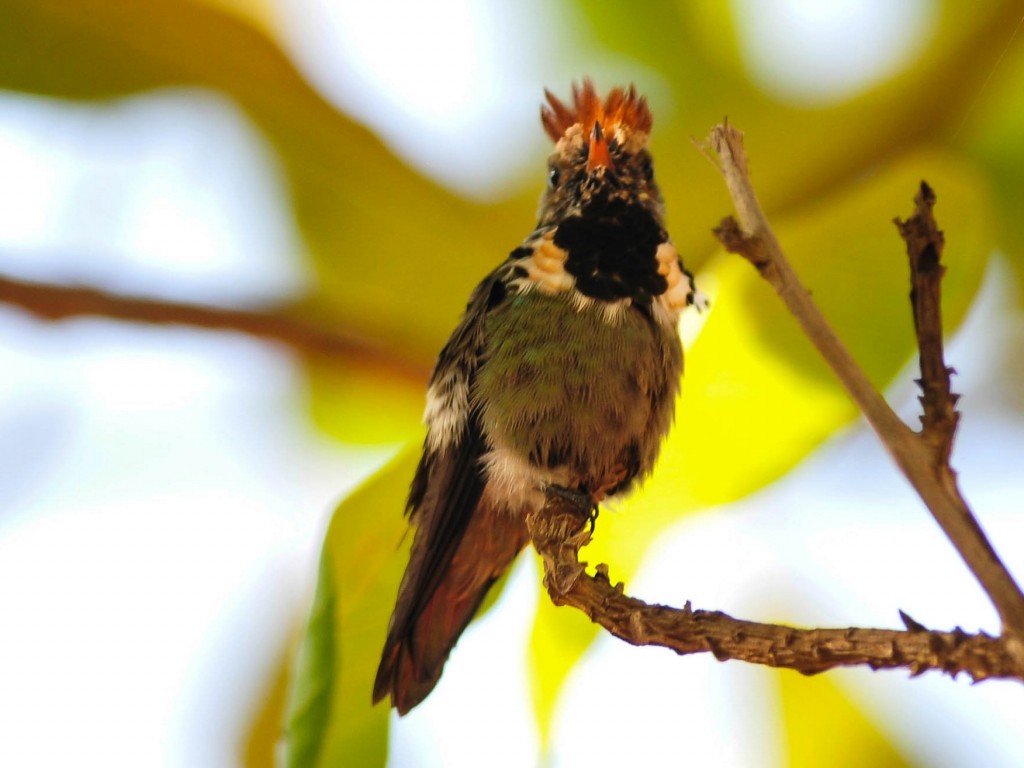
(611, 247)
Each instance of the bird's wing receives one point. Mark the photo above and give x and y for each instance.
(444, 583)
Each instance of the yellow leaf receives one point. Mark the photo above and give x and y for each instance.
(823, 727)
(360, 405)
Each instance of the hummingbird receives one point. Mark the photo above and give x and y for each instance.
(561, 375)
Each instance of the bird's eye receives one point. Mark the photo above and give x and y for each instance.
(648, 169)
(553, 177)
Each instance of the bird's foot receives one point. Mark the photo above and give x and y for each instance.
(582, 500)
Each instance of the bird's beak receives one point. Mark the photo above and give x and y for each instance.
(598, 156)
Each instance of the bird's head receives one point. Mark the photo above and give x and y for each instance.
(600, 153)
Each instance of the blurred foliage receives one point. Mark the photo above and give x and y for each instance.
(395, 256)
(261, 744)
(330, 719)
(823, 727)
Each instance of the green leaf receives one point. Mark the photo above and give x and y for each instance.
(991, 134)
(310, 703)
(330, 719)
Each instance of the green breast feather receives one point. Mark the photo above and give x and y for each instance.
(565, 386)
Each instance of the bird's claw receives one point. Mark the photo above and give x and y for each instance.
(582, 500)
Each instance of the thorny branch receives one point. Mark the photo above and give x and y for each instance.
(923, 458)
(924, 250)
(560, 529)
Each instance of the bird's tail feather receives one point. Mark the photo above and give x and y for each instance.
(425, 627)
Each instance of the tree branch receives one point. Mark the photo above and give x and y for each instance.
(923, 458)
(924, 249)
(59, 302)
(560, 529)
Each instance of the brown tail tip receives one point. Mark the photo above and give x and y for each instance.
(401, 678)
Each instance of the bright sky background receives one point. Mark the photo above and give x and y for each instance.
(163, 494)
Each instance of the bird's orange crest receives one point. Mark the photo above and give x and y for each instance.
(622, 107)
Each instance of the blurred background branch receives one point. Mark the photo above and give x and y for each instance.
(280, 325)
